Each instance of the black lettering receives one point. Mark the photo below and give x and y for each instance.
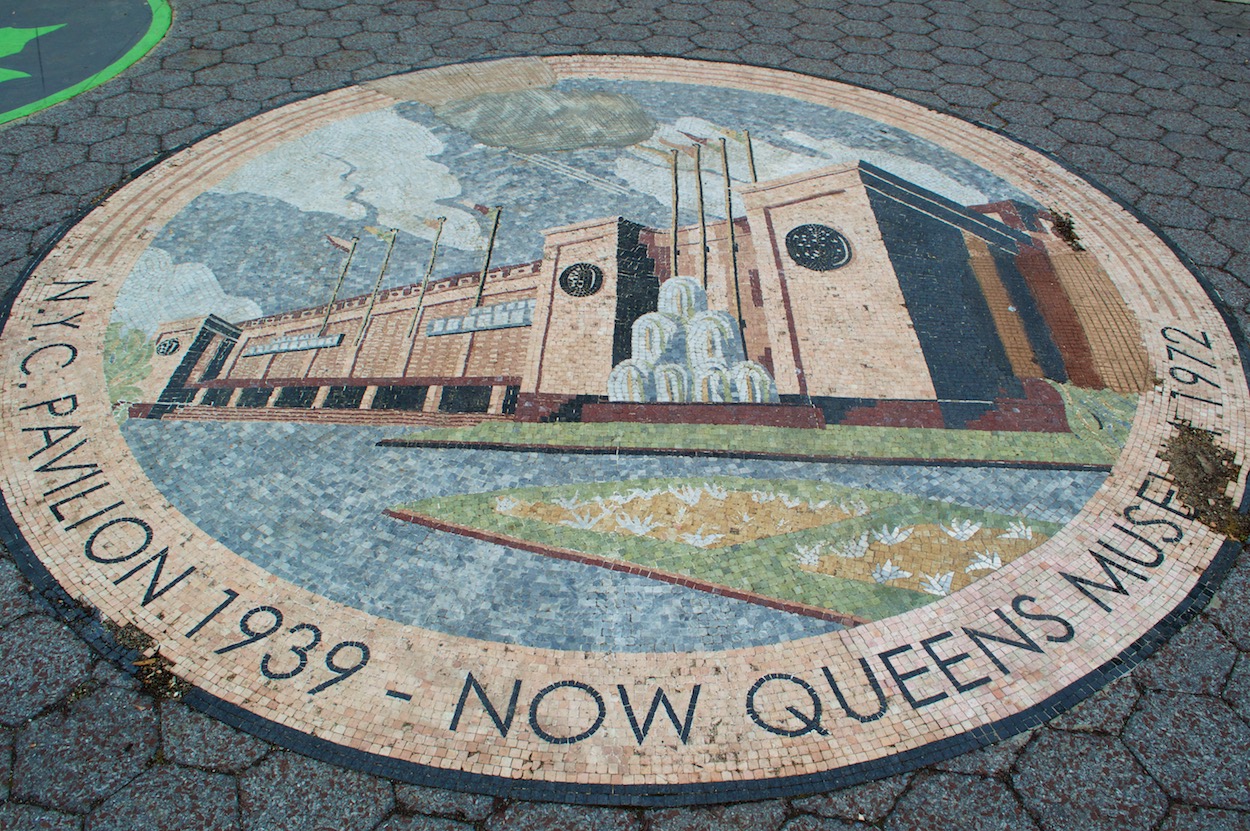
(902, 678)
(1206, 339)
(503, 725)
(343, 673)
(1132, 509)
(70, 484)
(585, 734)
(300, 652)
(55, 507)
(74, 285)
(1130, 532)
(1166, 503)
(73, 355)
(98, 513)
(660, 697)
(89, 546)
(1116, 585)
(254, 635)
(51, 465)
(231, 596)
(1069, 630)
(979, 638)
(811, 724)
(51, 405)
(63, 434)
(152, 592)
(1152, 562)
(876, 690)
(62, 322)
(944, 664)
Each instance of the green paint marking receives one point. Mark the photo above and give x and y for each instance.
(162, 17)
(13, 41)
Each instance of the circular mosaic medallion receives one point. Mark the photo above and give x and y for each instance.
(581, 279)
(818, 247)
(423, 492)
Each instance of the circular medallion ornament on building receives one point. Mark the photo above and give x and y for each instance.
(679, 527)
(581, 279)
(818, 247)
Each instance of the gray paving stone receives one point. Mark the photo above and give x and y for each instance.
(6, 761)
(289, 792)
(106, 674)
(1088, 782)
(19, 138)
(41, 662)
(75, 757)
(1194, 746)
(869, 802)
(169, 798)
(807, 822)
(15, 596)
(464, 806)
(754, 816)
(128, 149)
(948, 800)
(539, 816)
(1104, 712)
(15, 817)
(1237, 690)
(991, 760)
(52, 158)
(1196, 660)
(192, 738)
(1233, 233)
(1189, 818)
(420, 823)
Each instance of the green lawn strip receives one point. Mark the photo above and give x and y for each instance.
(1100, 421)
(727, 567)
(839, 441)
(911, 511)
(766, 566)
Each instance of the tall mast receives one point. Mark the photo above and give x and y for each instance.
(675, 204)
(733, 245)
(335, 294)
(750, 156)
(490, 246)
(373, 298)
(429, 272)
(698, 184)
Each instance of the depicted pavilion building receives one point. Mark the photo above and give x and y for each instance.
(844, 295)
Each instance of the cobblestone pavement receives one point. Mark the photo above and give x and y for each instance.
(1150, 99)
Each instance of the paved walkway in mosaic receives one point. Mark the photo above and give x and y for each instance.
(1148, 99)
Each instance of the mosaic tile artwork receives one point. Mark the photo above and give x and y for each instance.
(619, 430)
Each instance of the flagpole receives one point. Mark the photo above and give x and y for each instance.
(673, 272)
(750, 156)
(733, 245)
(334, 296)
(698, 183)
(490, 247)
(429, 272)
(373, 298)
